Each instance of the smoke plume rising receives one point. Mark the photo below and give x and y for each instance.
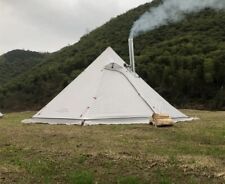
(171, 11)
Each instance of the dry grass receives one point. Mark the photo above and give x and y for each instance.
(186, 153)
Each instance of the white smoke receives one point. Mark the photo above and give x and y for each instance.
(171, 11)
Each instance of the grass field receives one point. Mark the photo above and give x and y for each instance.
(125, 154)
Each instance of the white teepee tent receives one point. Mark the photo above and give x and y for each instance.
(107, 92)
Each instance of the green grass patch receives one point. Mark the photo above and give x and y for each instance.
(185, 153)
(81, 177)
(129, 180)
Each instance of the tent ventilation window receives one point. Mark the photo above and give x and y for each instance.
(113, 66)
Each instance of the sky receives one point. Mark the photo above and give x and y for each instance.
(48, 25)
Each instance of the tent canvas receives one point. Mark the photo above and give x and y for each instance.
(106, 92)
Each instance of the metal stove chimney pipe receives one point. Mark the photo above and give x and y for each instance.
(131, 53)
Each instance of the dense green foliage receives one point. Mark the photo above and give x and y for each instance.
(17, 62)
(184, 62)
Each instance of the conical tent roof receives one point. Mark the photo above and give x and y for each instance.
(107, 92)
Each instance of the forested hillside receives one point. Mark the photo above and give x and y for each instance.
(184, 62)
(16, 62)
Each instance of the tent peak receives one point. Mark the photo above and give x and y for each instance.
(110, 50)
